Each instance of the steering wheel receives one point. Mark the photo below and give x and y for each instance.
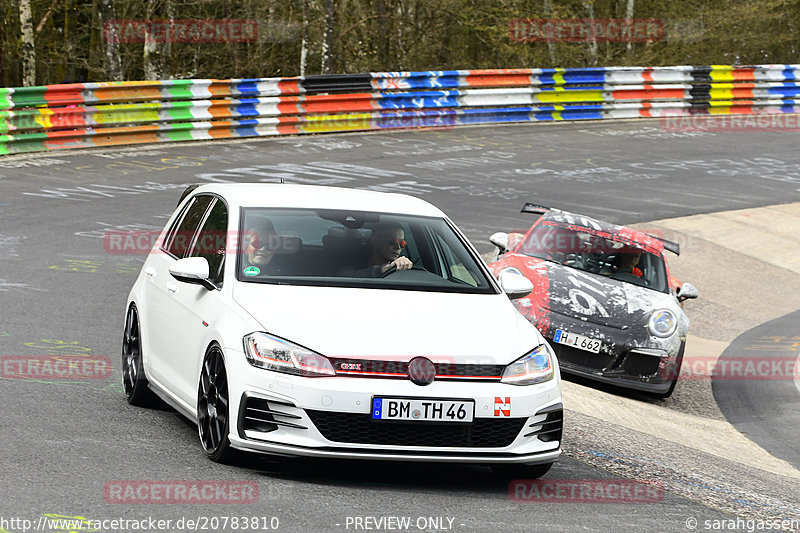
(393, 269)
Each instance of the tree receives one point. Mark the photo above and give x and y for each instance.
(157, 49)
(327, 42)
(304, 44)
(28, 44)
(110, 40)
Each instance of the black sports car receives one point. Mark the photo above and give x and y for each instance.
(603, 297)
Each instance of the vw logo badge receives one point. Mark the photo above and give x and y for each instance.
(421, 371)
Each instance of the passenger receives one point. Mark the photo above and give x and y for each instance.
(386, 244)
(261, 243)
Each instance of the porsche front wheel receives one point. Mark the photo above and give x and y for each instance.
(676, 372)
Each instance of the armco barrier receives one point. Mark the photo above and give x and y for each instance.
(101, 114)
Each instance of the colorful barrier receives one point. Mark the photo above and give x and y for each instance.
(102, 114)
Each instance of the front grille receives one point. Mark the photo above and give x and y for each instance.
(640, 364)
(484, 371)
(361, 429)
(576, 357)
(399, 369)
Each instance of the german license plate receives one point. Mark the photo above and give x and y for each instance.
(578, 341)
(422, 410)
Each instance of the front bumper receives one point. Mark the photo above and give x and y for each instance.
(288, 415)
(629, 358)
(389, 455)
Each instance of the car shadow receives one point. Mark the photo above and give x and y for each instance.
(376, 474)
(451, 477)
(615, 390)
(344, 472)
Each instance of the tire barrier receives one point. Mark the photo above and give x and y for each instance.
(34, 119)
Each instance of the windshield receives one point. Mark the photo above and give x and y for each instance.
(356, 249)
(596, 252)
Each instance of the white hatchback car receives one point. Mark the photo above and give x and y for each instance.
(330, 322)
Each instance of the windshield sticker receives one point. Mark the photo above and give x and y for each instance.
(252, 271)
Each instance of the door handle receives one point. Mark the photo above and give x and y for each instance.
(172, 287)
(150, 272)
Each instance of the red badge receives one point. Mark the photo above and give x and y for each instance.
(502, 406)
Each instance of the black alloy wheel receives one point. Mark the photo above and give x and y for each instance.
(212, 407)
(134, 381)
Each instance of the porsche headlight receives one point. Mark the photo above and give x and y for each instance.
(662, 323)
(265, 351)
(535, 367)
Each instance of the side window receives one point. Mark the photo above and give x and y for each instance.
(178, 241)
(212, 239)
(453, 264)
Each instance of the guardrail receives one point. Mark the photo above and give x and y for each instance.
(102, 114)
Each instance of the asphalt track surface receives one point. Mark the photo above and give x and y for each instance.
(61, 293)
(774, 424)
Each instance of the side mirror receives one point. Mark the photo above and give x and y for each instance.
(514, 284)
(500, 240)
(192, 270)
(687, 291)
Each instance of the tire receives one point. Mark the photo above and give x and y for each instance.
(213, 420)
(521, 471)
(678, 364)
(134, 381)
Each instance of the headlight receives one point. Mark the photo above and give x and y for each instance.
(265, 351)
(535, 367)
(662, 323)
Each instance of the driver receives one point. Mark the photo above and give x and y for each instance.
(386, 244)
(626, 263)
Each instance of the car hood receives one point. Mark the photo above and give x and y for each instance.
(591, 297)
(386, 324)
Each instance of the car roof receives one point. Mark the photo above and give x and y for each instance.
(318, 197)
(635, 237)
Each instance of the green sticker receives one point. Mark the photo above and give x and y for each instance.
(252, 271)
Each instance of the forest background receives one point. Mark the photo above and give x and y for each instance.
(62, 41)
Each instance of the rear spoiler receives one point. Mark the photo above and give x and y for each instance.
(537, 209)
(673, 247)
